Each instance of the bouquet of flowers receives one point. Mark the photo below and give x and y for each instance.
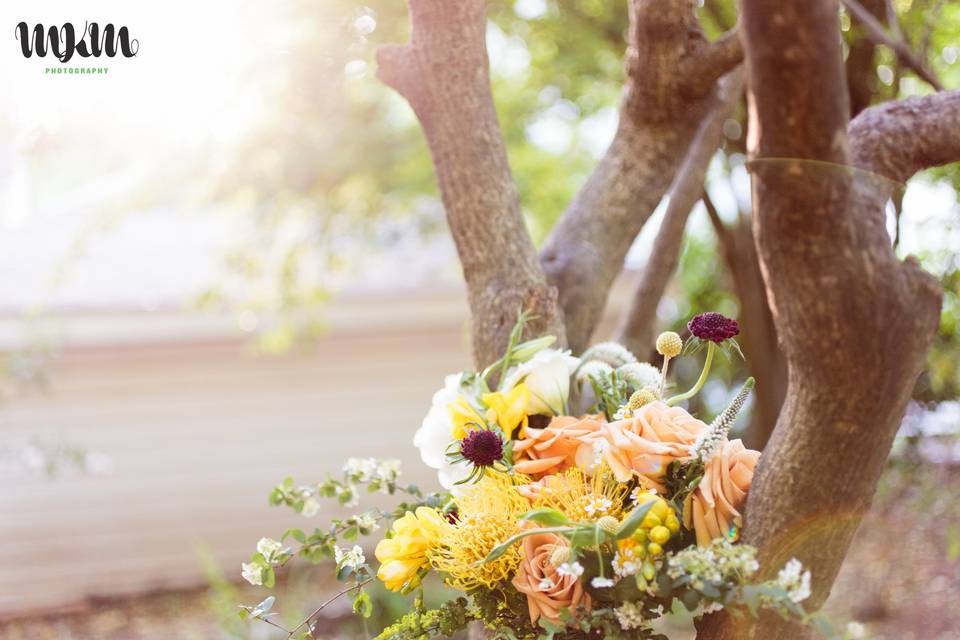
(555, 522)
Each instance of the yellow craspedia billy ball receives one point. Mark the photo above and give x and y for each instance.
(669, 344)
(609, 524)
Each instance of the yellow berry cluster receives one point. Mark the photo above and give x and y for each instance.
(643, 547)
(658, 525)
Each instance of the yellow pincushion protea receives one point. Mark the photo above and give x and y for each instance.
(581, 497)
(487, 516)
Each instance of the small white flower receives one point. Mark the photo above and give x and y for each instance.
(269, 548)
(598, 505)
(856, 631)
(601, 583)
(388, 470)
(310, 507)
(367, 521)
(794, 580)
(352, 558)
(352, 498)
(573, 569)
(252, 573)
(546, 584)
(635, 494)
(630, 616)
(362, 469)
(600, 448)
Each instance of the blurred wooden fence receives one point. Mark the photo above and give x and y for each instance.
(198, 429)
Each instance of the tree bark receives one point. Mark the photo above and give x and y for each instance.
(854, 322)
(898, 139)
(444, 74)
(758, 337)
(659, 115)
(860, 67)
(638, 323)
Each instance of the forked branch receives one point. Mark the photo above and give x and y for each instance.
(660, 113)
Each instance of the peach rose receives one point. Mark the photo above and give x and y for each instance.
(552, 449)
(644, 445)
(714, 507)
(533, 491)
(547, 592)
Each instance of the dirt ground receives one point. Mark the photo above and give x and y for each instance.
(901, 581)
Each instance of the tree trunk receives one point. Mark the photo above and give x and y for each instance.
(854, 322)
(444, 73)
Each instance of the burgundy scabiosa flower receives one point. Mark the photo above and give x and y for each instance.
(482, 447)
(713, 326)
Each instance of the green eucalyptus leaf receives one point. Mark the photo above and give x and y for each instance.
(632, 522)
(502, 548)
(546, 516)
(690, 600)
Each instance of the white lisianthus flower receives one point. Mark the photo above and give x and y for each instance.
(547, 376)
(435, 435)
(601, 583)
(252, 573)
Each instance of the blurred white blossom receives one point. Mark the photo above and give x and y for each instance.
(252, 573)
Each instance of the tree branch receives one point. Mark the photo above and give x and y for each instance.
(898, 139)
(854, 322)
(879, 35)
(444, 73)
(715, 60)
(637, 325)
(658, 119)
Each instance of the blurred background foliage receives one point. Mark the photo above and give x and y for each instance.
(331, 169)
(342, 168)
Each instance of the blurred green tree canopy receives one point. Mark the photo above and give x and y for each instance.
(339, 157)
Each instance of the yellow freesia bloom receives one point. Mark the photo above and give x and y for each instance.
(464, 417)
(508, 409)
(403, 555)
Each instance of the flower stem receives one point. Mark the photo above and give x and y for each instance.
(711, 348)
(663, 376)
